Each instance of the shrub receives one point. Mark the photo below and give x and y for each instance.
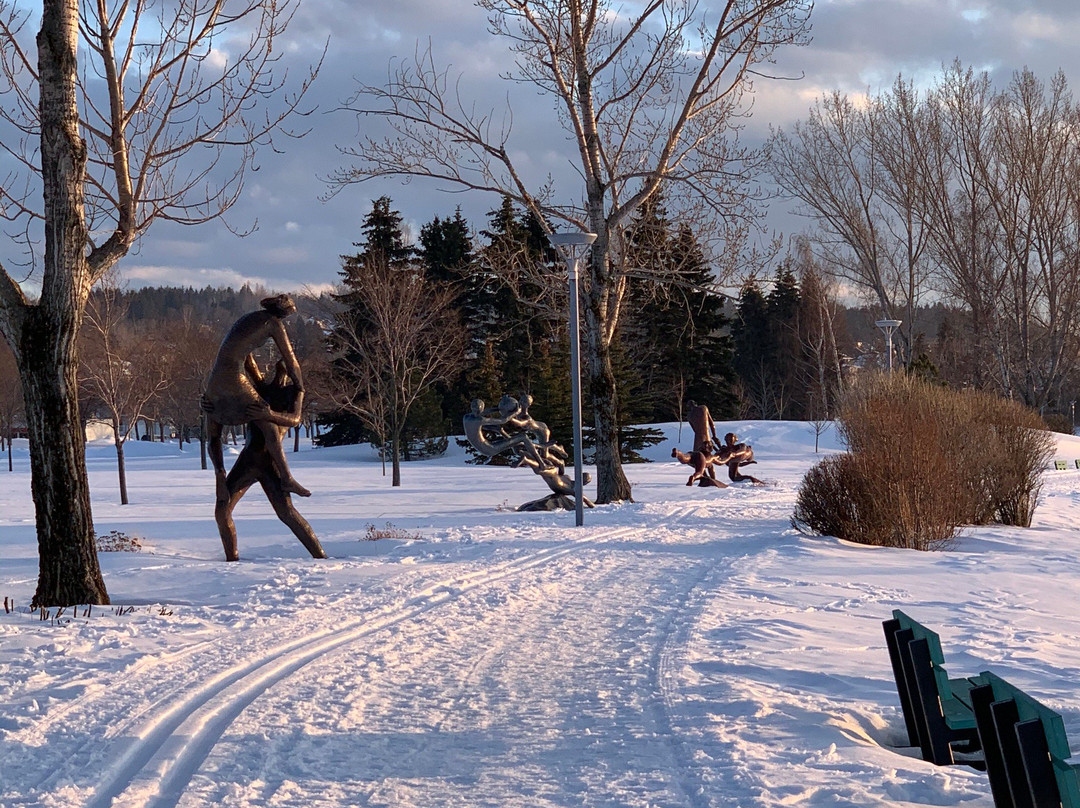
(924, 460)
(1017, 449)
(116, 541)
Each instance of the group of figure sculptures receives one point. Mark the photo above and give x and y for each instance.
(709, 452)
(510, 428)
(237, 393)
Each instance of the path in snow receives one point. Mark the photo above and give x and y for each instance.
(476, 688)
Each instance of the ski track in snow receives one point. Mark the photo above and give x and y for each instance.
(595, 687)
(152, 762)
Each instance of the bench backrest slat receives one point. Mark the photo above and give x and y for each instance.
(1054, 728)
(937, 656)
(1029, 708)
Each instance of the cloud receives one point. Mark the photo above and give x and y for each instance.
(198, 277)
(858, 46)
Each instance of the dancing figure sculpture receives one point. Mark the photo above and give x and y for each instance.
(256, 464)
(510, 428)
(233, 397)
(734, 454)
(705, 439)
(702, 463)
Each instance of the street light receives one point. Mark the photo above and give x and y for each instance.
(888, 326)
(572, 247)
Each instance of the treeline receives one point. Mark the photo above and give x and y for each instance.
(965, 194)
(421, 326)
(502, 295)
(778, 350)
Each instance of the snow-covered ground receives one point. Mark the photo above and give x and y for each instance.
(689, 649)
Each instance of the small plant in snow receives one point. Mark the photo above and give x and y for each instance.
(117, 542)
(389, 531)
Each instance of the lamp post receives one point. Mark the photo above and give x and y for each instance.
(888, 326)
(572, 247)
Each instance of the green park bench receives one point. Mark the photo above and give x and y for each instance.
(937, 710)
(1025, 748)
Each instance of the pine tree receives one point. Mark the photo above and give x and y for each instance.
(445, 249)
(446, 254)
(519, 327)
(675, 328)
(753, 353)
(783, 305)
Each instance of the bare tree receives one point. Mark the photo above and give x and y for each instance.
(188, 349)
(818, 316)
(647, 100)
(868, 228)
(11, 402)
(1035, 198)
(956, 204)
(979, 184)
(154, 124)
(398, 338)
(120, 370)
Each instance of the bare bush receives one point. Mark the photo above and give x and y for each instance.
(923, 461)
(1016, 451)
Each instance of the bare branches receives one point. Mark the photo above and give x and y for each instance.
(399, 336)
(967, 191)
(648, 101)
(645, 100)
(175, 99)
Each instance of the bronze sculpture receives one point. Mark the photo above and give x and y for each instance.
(257, 465)
(705, 439)
(709, 452)
(735, 454)
(510, 428)
(701, 422)
(233, 397)
(702, 463)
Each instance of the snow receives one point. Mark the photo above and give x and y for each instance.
(688, 649)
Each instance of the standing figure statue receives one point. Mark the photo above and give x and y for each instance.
(256, 465)
(705, 439)
(510, 428)
(233, 398)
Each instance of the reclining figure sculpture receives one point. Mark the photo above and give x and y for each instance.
(510, 428)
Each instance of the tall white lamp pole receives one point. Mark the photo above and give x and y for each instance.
(888, 326)
(572, 246)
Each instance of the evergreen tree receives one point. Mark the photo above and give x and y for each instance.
(519, 326)
(446, 249)
(783, 307)
(384, 235)
(446, 254)
(675, 326)
(753, 353)
(701, 359)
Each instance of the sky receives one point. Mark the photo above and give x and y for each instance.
(302, 229)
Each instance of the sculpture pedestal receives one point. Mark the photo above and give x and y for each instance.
(553, 502)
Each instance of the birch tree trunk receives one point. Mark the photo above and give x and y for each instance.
(46, 351)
